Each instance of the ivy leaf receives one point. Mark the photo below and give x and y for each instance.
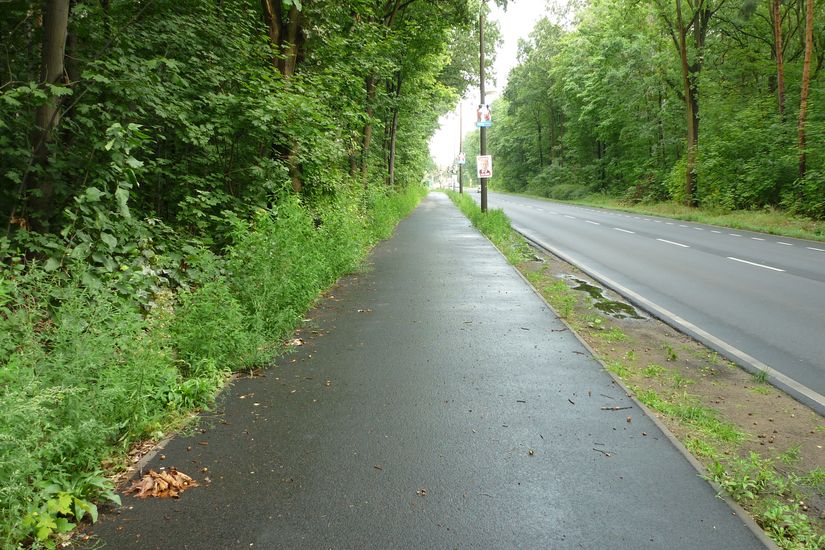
(110, 240)
(134, 163)
(80, 251)
(91, 281)
(59, 91)
(63, 525)
(51, 265)
(93, 194)
(122, 196)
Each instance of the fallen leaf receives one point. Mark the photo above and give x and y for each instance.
(163, 484)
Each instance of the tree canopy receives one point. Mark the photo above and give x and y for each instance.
(700, 101)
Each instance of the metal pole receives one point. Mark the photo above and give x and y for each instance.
(483, 136)
(460, 149)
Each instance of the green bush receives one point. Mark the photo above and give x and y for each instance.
(208, 330)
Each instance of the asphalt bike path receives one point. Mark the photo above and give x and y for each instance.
(435, 402)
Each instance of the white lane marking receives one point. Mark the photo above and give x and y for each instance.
(554, 212)
(757, 265)
(734, 235)
(594, 223)
(669, 223)
(625, 231)
(571, 217)
(783, 244)
(817, 249)
(680, 225)
(686, 325)
(658, 221)
(698, 229)
(757, 239)
(645, 219)
(714, 231)
(671, 242)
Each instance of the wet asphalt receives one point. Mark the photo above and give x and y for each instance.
(436, 402)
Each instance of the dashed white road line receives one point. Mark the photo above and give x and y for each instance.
(698, 229)
(624, 231)
(571, 217)
(680, 225)
(673, 243)
(734, 235)
(670, 223)
(757, 239)
(817, 249)
(755, 264)
(714, 231)
(783, 244)
(594, 223)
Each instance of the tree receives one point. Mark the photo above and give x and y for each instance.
(806, 82)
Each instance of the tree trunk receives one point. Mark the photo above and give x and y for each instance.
(394, 130)
(55, 28)
(806, 82)
(691, 106)
(780, 66)
(370, 111)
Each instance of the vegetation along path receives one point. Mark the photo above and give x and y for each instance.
(435, 402)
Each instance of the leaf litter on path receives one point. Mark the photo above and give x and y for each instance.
(163, 484)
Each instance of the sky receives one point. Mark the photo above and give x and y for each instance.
(517, 22)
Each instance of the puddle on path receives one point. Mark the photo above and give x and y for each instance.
(616, 309)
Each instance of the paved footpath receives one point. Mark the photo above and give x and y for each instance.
(441, 404)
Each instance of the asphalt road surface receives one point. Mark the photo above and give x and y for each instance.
(760, 294)
(422, 412)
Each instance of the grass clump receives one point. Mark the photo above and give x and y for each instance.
(496, 226)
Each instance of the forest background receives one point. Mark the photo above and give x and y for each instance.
(711, 103)
(180, 180)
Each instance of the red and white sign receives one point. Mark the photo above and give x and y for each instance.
(484, 164)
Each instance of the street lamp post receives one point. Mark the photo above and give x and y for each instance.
(460, 149)
(483, 135)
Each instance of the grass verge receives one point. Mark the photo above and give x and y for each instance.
(760, 446)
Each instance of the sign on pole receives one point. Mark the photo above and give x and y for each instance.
(484, 117)
(462, 158)
(484, 164)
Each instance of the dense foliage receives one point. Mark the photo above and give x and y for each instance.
(609, 104)
(180, 179)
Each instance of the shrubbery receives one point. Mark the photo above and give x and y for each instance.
(86, 371)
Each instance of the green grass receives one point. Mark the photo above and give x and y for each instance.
(685, 409)
(653, 371)
(495, 226)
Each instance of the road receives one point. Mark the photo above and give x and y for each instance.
(759, 294)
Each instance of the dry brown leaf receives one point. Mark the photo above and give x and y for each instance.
(163, 484)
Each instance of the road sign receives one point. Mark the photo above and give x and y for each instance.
(462, 158)
(484, 163)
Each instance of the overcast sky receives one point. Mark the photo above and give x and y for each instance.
(517, 22)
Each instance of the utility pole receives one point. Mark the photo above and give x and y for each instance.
(460, 149)
(483, 136)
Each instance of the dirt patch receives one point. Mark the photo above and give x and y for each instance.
(735, 424)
